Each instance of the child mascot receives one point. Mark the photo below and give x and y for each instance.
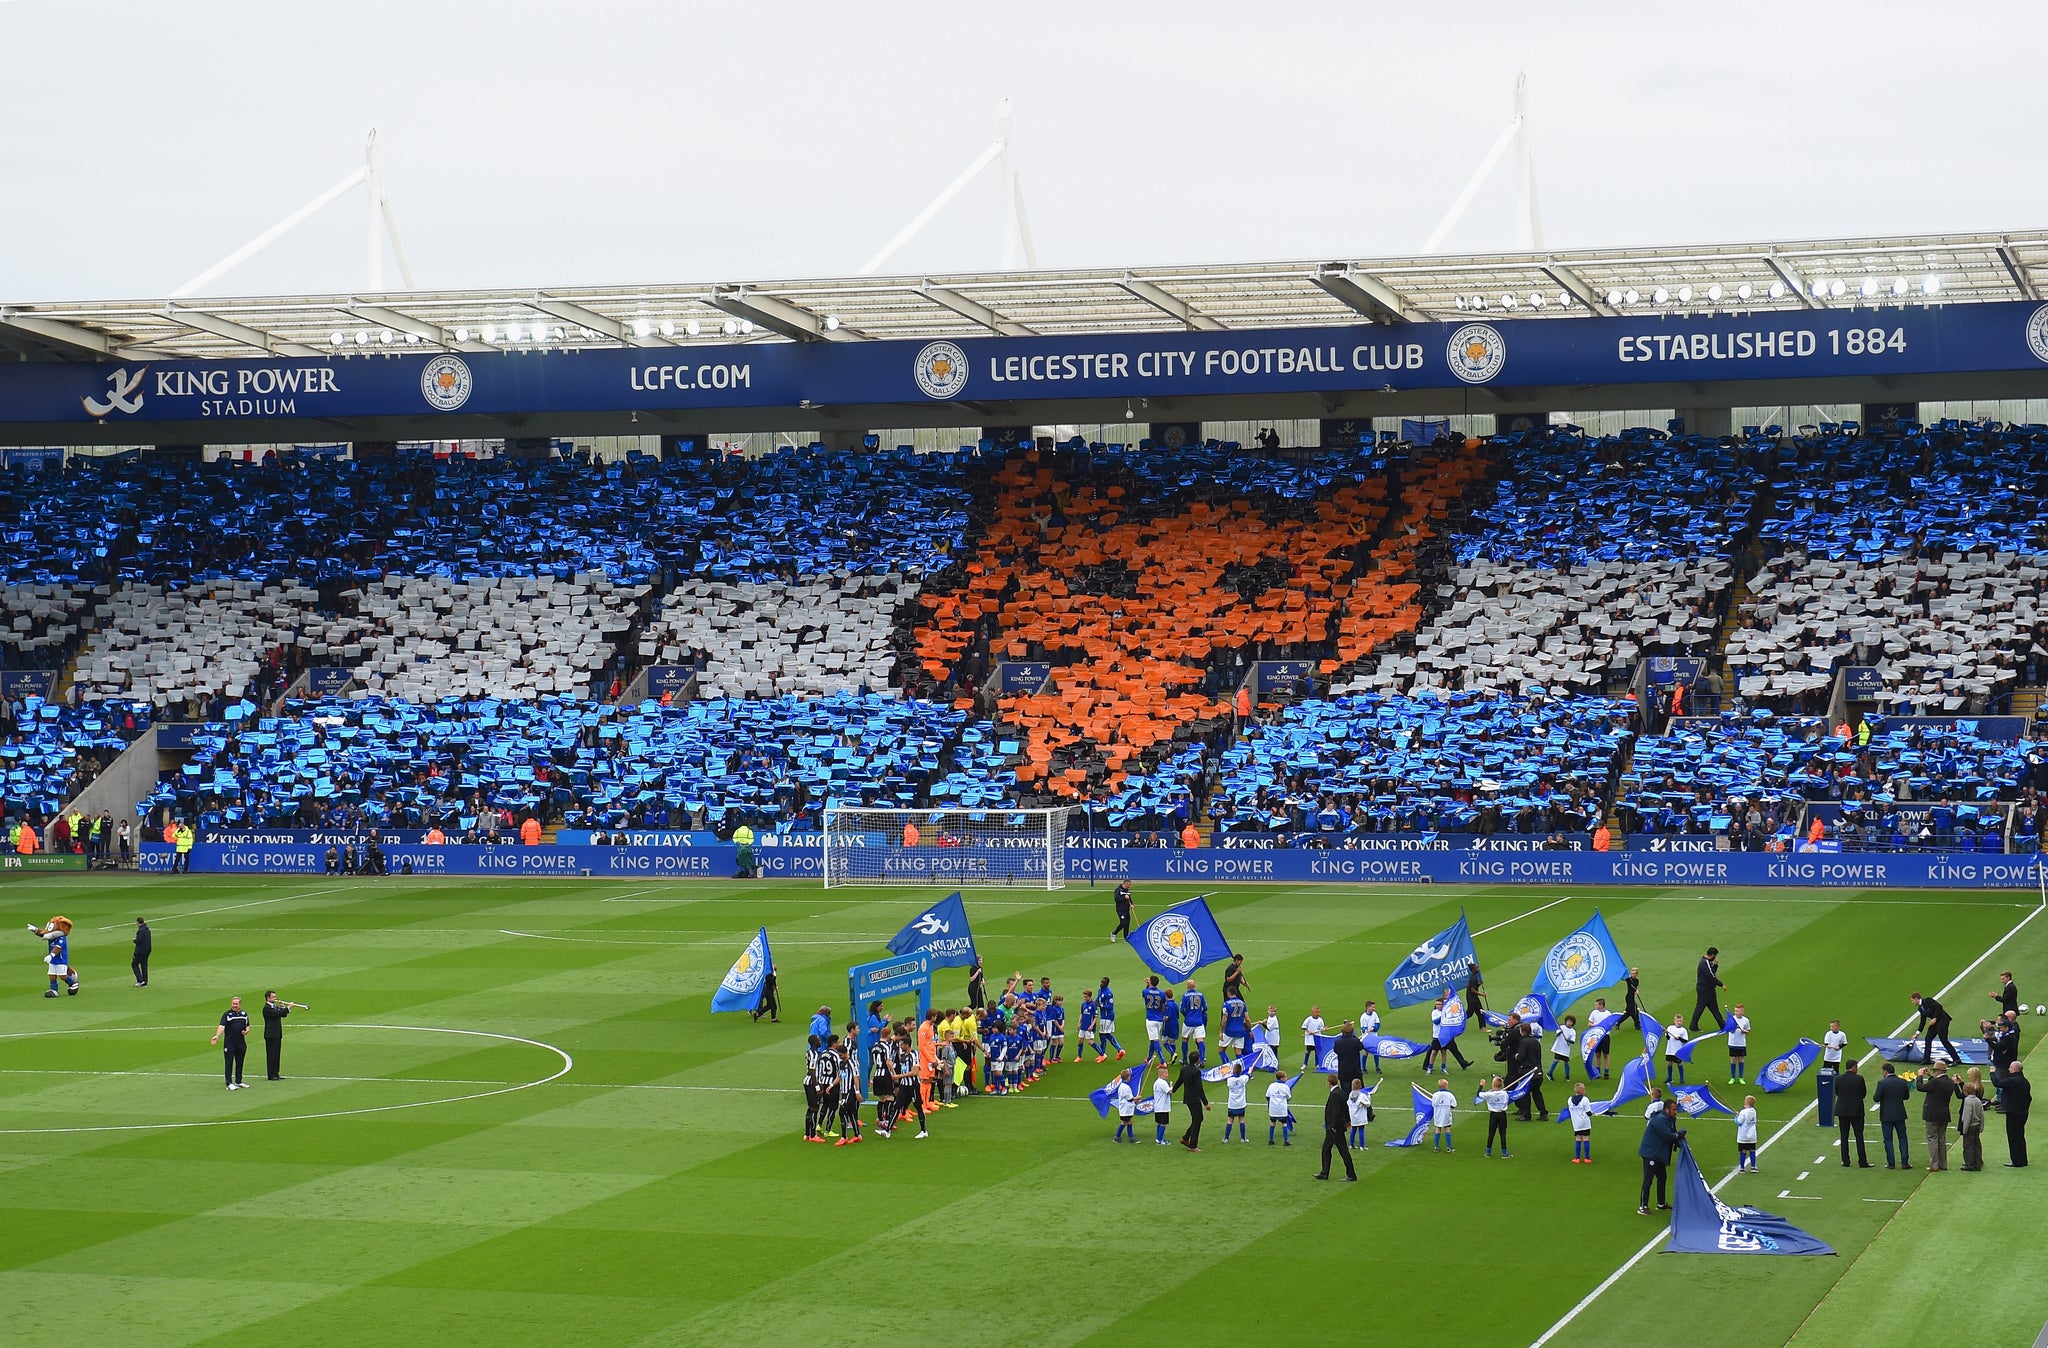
(58, 936)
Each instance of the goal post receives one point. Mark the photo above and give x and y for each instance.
(981, 848)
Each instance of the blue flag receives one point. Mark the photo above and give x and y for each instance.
(1436, 964)
(1518, 1089)
(1583, 962)
(1390, 1046)
(1703, 1224)
(1425, 1111)
(1180, 940)
(1684, 1053)
(1104, 1097)
(1973, 1051)
(1632, 1084)
(1454, 1020)
(1780, 1072)
(1694, 1101)
(940, 931)
(1535, 1007)
(1261, 1058)
(748, 977)
(1651, 1037)
(1596, 1034)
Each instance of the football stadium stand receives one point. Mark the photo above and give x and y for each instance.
(1463, 625)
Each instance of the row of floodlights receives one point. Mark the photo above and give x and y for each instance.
(540, 332)
(1871, 289)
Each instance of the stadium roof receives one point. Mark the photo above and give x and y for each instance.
(1963, 268)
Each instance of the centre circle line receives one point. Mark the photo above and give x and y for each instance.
(568, 1063)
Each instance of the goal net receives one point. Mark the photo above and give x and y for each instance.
(963, 848)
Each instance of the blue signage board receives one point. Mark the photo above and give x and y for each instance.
(882, 979)
(181, 734)
(326, 680)
(16, 684)
(669, 679)
(1862, 870)
(1862, 683)
(1833, 341)
(1669, 669)
(1023, 676)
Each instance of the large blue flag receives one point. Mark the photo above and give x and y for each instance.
(1535, 1007)
(745, 981)
(1180, 940)
(1435, 965)
(1703, 1224)
(1596, 1034)
(940, 931)
(1583, 962)
(1780, 1072)
(1694, 1101)
(1425, 1111)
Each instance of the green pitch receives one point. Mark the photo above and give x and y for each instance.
(509, 1118)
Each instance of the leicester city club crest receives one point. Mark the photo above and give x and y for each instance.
(1576, 964)
(940, 370)
(445, 382)
(1782, 1072)
(746, 972)
(2037, 333)
(1476, 352)
(1175, 943)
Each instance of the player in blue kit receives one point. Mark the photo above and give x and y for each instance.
(1169, 1030)
(57, 957)
(1234, 1028)
(1105, 1024)
(1056, 1028)
(1084, 1031)
(1156, 1002)
(1194, 1013)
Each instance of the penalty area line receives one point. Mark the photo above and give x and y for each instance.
(1650, 1245)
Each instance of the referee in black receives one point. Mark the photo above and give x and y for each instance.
(232, 1034)
(138, 964)
(1123, 911)
(274, 1013)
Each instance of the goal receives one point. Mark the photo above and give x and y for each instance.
(964, 848)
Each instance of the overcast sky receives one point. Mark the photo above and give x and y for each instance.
(608, 141)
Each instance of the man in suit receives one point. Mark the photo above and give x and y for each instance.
(1707, 987)
(138, 964)
(2019, 1099)
(1934, 1023)
(1890, 1096)
(1123, 911)
(1851, 1094)
(1336, 1123)
(1525, 1055)
(1938, 1092)
(1195, 1096)
(2008, 994)
(2004, 1038)
(274, 1013)
(1661, 1136)
(1350, 1057)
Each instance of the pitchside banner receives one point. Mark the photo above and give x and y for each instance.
(1840, 340)
(1926, 870)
